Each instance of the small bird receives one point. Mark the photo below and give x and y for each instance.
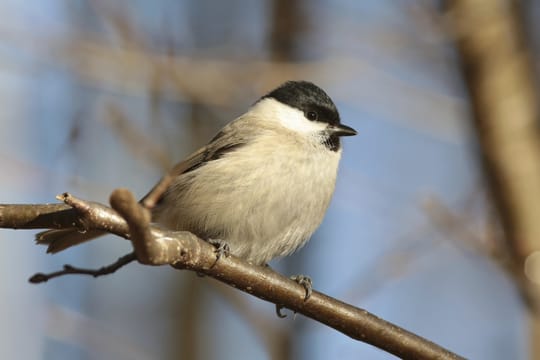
(261, 186)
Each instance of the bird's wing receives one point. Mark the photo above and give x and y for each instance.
(234, 135)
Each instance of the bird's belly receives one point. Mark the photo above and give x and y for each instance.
(261, 217)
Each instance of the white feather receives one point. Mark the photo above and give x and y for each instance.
(290, 118)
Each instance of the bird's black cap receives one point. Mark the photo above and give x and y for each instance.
(315, 104)
(306, 96)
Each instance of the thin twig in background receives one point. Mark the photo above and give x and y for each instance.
(138, 143)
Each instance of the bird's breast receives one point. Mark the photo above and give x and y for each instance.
(265, 200)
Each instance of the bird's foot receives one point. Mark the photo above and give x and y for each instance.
(306, 282)
(278, 311)
(303, 280)
(222, 248)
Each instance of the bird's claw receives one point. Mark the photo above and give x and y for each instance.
(278, 311)
(306, 282)
(222, 248)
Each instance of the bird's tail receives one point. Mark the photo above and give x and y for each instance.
(61, 239)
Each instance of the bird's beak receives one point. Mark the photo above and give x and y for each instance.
(342, 130)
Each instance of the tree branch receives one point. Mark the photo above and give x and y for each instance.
(183, 250)
(69, 269)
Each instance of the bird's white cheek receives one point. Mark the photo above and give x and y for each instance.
(286, 116)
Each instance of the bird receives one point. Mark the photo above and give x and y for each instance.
(261, 186)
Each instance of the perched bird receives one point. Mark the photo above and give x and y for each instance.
(261, 185)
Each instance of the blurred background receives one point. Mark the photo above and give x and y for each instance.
(97, 95)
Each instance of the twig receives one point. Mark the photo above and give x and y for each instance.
(76, 213)
(138, 219)
(70, 270)
(136, 140)
(183, 250)
(150, 200)
(37, 216)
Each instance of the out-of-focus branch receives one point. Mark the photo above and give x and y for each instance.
(491, 41)
(458, 227)
(183, 250)
(500, 79)
(137, 141)
(130, 70)
(270, 333)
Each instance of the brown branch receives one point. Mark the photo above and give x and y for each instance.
(150, 200)
(500, 78)
(183, 250)
(138, 219)
(498, 72)
(72, 270)
(75, 213)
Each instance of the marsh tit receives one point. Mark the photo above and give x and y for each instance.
(261, 185)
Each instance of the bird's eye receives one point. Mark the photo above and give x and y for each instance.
(312, 115)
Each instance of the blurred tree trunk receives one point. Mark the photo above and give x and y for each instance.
(287, 29)
(492, 43)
